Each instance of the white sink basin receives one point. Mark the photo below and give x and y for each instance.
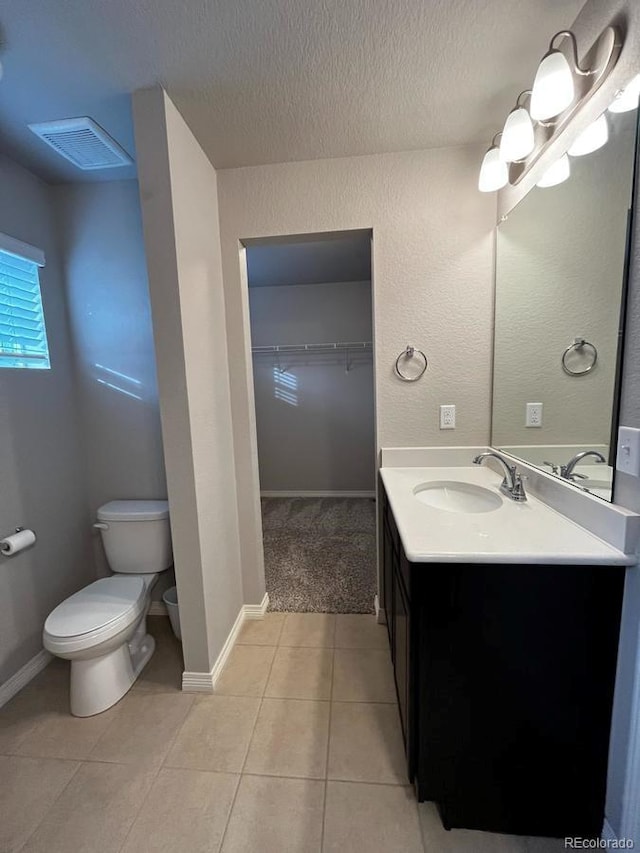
(452, 496)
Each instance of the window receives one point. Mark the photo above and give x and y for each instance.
(23, 337)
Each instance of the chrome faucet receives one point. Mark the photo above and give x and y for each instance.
(512, 485)
(567, 472)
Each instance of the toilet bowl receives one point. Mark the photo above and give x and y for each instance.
(102, 628)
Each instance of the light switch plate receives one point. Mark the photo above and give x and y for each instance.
(448, 417)
(628, 456)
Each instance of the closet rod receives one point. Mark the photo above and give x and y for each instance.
(293, 348)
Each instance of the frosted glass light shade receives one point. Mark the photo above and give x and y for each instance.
(493, 172)
(517, 137)
(628, 99)
(594, 137)
(556, 174)
(553, 89)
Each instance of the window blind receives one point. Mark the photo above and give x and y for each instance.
(23, 337)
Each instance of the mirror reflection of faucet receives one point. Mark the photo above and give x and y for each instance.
(567, 471)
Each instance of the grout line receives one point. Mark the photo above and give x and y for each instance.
(281, 630)
(246, 755)
(282, 698)
(155, 777)
(326, 764)
(391, 785)
(48, 811)
(405, 784)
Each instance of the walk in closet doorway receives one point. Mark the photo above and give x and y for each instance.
(310, 300)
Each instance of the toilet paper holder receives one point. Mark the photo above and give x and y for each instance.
(9, 549)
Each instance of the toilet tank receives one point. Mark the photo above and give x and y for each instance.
(136, 536)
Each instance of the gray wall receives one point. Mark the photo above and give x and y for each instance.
(110, 316)
(178, 190)
(315, 421)
(41, 456)
(622, 797)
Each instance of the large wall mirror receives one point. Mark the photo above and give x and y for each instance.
(560, 292)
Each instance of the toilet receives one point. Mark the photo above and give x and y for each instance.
(102, 628)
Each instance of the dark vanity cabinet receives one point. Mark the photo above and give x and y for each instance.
(505, 677)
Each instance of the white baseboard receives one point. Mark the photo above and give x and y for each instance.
(204, 682)
(157, 608)
(257, 611)
(381, 616)
(23, 676)
(268, 493)
(197, 682)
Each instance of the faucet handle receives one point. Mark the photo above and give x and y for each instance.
(518, 492)
(553, 466)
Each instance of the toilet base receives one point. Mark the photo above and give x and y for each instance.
(98, 683)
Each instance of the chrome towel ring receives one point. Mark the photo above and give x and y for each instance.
(406, 356)
(579, 345)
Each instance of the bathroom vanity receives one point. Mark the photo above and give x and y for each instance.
(503, 624)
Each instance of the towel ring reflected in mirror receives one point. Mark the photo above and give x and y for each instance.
(406, 356)
(579, 345)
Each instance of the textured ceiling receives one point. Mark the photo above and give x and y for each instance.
(344, 258)
(263, 81)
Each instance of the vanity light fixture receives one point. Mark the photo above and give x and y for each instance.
(562, 87)
(627, 99)
(594, 137)
(493, 172)
(556, 174)
(517, 136)
(554, 86)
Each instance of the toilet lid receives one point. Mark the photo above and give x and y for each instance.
(96, 606)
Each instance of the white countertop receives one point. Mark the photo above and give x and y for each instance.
(528, 532)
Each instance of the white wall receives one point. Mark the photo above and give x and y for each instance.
(41, 458)
(110, 316)
(315, 424)
(180, 216)
(432, 287)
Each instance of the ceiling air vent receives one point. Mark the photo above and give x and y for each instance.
(83, 142)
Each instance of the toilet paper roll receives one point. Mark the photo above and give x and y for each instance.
(17, 542)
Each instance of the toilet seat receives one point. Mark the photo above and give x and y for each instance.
(95, 614)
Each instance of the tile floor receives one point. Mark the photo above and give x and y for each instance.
(299, 750)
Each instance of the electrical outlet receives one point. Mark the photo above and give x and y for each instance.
(534, 415)
(448, 417)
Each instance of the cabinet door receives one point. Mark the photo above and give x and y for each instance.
(401, 655)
